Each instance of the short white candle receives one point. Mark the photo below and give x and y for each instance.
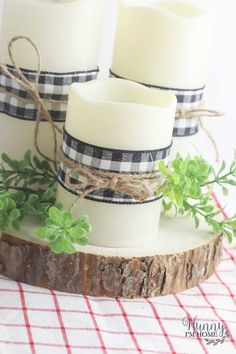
(124, 115)
(67, 34)
(163, 43)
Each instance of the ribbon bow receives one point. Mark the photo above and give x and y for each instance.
(137, 186)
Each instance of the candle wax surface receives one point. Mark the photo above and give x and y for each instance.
(162, 43)
(67, 34)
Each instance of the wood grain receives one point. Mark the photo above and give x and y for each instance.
(113, 276)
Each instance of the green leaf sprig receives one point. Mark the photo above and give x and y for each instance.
(26, 174)
(27, 188)
(186, 190)
(62, 232)
(10, 215)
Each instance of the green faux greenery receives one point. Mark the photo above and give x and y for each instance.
(28, 186)
(25, 174)
(186, 189)
(63, 232)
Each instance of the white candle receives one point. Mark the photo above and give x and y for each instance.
(163, 43)
(67, 34)
(121, 115)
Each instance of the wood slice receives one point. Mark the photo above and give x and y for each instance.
(178, 260)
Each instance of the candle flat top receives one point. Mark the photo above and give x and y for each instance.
(118, 91)
(51, 2)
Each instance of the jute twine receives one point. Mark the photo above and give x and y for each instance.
(138, 186)
(32, 89)
(198, 114)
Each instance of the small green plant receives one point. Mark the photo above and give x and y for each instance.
(9, 213)
(186, 190)
(62, 232)
(27, 188)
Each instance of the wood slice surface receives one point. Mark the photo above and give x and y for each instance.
(179, 259)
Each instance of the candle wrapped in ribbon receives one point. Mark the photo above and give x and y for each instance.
(66, 35)
(116, 133)
(165, 45)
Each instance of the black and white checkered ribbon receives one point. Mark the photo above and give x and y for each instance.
(51, 86)
(186, 100)
(110, 160)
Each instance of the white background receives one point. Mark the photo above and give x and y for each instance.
(221, 82)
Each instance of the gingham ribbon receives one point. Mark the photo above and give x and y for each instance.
(111, 160)
(52, 86)
(186, 100)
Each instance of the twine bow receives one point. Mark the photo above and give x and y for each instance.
(32, 89)
(198, 114)
(137, 186)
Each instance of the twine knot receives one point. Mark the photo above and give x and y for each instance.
(113, 183)
(137, 186)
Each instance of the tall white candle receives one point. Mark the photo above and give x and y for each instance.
(162, 43)
(121, 115)
(67, 34)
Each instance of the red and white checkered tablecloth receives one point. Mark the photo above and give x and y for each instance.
(34, 320)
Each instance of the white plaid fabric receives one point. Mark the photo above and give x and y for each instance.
(111, 160)
(53, 86)
(186, 100)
